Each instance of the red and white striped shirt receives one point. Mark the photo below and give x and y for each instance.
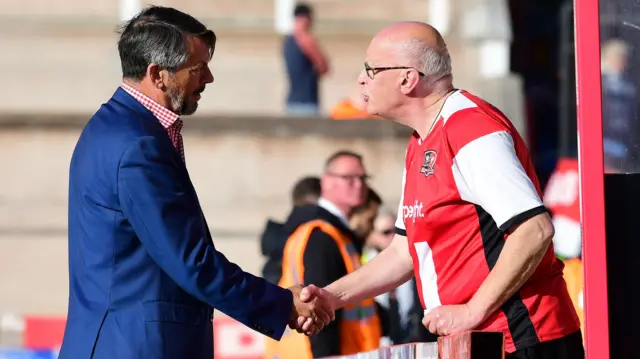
(167, 118)
(465, 185)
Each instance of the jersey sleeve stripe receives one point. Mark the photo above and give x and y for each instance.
(522, 217)
(400, 231)
(487, 172)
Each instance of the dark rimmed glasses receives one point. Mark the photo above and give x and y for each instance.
(372, 71)
(350, 178)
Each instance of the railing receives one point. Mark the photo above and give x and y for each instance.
(470, 345)
(406, 351)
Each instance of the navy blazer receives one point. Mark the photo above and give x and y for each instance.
(144, 273)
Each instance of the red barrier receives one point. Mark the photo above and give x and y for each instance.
(43, 332)
(232, 339)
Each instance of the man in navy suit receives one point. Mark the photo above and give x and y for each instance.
(144, 274)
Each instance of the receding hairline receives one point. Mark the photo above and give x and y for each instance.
(331, 160)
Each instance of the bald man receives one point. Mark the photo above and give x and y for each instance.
(471, 225)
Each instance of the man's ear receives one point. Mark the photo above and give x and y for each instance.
(158, 76)
(408, 81)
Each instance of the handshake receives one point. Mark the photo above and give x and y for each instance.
(313, 308)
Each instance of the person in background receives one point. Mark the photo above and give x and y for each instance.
(574, 276)
(619, 108)
(362, 217)
(305, 63)
(322, 248)
(361, 223)
(403, 312)
(305, 191)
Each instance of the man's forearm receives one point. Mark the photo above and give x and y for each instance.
(388, 270)
(520, 256)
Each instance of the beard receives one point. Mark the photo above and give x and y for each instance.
(180, 103)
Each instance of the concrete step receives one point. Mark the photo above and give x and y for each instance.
(248, 69)
(245, 11)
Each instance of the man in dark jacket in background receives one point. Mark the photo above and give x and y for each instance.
(305, 191)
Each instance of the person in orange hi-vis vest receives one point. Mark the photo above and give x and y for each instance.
(573, 275)
(322, 248)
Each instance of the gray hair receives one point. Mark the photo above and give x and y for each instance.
(157, 35)
(434, 63)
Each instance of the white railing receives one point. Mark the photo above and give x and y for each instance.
(405, 351)
(467, 345)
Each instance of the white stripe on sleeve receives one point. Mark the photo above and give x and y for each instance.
(488, 173)
(400, 218)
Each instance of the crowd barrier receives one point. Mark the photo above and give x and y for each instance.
(470, 345)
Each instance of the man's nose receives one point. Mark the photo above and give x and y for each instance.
(208, 76)
(362, 77)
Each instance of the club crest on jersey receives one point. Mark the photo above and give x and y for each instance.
(429, 163)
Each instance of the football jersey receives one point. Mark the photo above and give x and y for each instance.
(464, 185)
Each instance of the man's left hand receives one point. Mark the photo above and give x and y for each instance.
(451, 319)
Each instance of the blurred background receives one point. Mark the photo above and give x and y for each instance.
(245, 147)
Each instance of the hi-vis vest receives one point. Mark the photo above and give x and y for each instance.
(573, 276)
(359, 325)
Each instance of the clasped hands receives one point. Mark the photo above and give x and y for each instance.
(313, 309)
(451, 319)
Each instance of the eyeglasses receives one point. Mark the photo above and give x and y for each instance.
(372, 71)
(351, 178)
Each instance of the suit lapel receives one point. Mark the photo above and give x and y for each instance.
(123, 97)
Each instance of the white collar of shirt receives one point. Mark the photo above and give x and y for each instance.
(333, 209)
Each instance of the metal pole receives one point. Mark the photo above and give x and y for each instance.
(128, 9)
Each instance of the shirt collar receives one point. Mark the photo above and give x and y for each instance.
(165, 116)
(333, 209)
